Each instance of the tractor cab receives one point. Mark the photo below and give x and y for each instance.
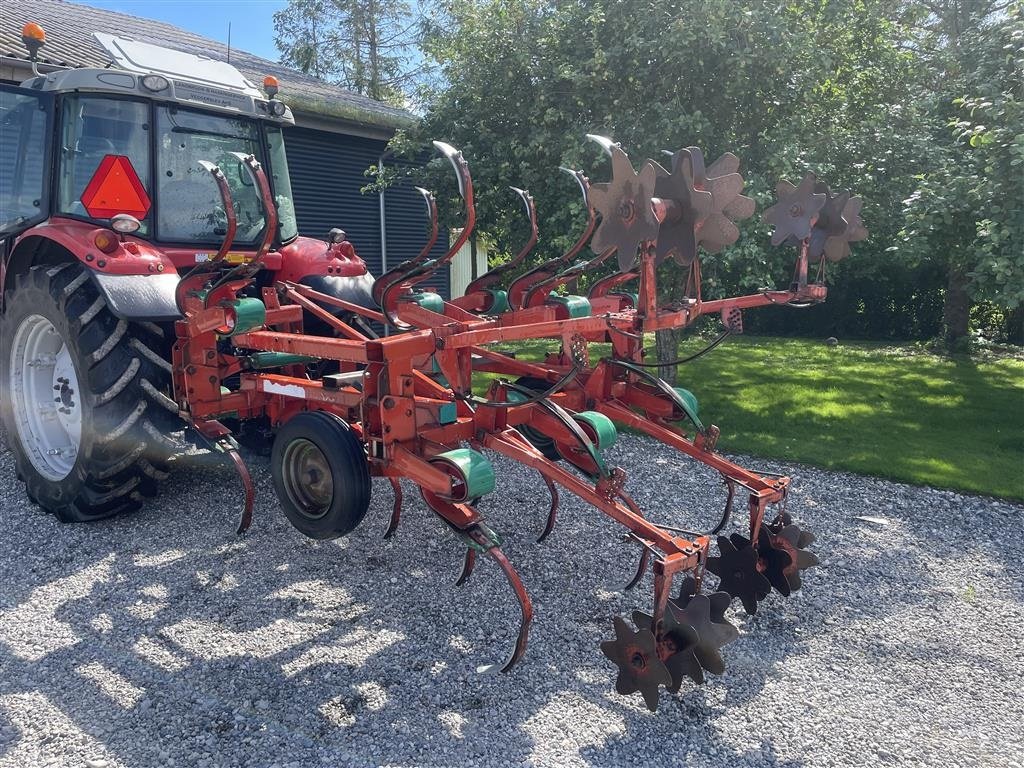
(160, 113)
(122, 155)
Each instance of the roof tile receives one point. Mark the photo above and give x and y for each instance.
(70, 43)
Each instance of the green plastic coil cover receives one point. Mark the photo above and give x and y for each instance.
(431, 301)
(690, 399)
(476, 471)
(261, 360)
(499, 302)
(576, 306)
(601, 426)
(249, 314)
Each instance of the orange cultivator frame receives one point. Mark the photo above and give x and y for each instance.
(354, 405)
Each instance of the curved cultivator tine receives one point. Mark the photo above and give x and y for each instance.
(553, 512)
(396, 510)
(641, 569)
(525, 605)
(250, 492)
(467, 567)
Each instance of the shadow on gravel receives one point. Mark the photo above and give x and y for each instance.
(161, 634)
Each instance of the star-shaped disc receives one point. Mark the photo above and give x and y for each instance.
(636, 656)
(698, 220)
(790, 539)
(837, 248)
(676, 645)
(625, 207)
(794, 213)
(830, 222)
(736, 569)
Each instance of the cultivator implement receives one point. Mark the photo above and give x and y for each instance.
(403, 406)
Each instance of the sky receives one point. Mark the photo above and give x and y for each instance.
(252, 21)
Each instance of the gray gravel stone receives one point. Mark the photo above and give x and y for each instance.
(161, 639)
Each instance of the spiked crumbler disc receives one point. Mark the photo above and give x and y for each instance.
(794, 213)
(830, 222)
(625, 207)
(677, 236)
(703, 221)
(837, 247)
(786, 535)
(676, 645)
(720, 601)
(700, 613)
(725, 186)
(775, 560)
(736, 568)
(636, 656)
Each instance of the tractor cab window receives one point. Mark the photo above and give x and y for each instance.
(92, 128)
(24, 118)
(190, 208)
(281, 183)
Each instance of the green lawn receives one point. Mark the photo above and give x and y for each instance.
(868, 408)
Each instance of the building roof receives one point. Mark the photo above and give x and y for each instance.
(70, 43)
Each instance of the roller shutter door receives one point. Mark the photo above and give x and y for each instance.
(327, 172)
(407, 232)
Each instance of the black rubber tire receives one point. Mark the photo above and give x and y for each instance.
(125, 377)
(540, 441)
(349, 469)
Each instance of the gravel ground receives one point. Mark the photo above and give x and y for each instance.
(160, 638)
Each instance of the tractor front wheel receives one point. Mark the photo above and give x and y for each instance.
(83, 398)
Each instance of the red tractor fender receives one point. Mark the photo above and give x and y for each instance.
(334, 269)
(137, 279)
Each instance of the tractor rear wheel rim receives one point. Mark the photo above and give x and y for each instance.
(46, 398)
(307, 478)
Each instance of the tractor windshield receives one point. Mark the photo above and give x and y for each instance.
(187, 204)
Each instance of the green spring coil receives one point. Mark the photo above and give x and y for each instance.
(601, 426)
(431, 301)
(576, 306)
(249, 315)
(476, 471)
(499, 302)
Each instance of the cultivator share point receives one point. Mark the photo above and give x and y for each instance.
(271, 329)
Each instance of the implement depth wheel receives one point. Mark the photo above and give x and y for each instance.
(320, 475)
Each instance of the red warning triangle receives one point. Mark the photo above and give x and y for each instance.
(115, 188)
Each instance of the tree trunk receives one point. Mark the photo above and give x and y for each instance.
(956, 310)
(666, 343)
(374, 58)
(1015, 325)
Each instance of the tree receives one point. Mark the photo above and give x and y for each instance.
(968, 207)
(367, 46)
(787, 87)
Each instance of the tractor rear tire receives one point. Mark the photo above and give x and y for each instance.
(83, 397)
(321, 475)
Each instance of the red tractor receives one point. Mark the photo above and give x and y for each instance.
(105, 204)
(152, 277)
